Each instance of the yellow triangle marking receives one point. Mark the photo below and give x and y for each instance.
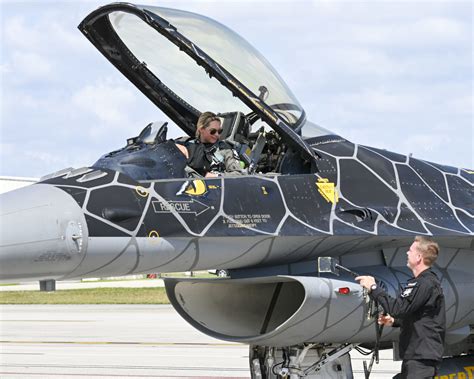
(327, 190)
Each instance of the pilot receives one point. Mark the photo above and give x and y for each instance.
(419, 311)
(206, 154)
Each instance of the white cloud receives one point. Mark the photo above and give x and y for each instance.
(4, 70)
(425, 144)
(64, 37)
(26, 101)
(30, 65)
(425, 31)
(45, 158)
(438, 30)
(463, 105)
(106, 100)
(379, 100)
(20, 35)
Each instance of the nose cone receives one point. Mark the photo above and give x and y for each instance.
(43, 233)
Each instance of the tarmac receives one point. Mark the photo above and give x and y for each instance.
(122, 341)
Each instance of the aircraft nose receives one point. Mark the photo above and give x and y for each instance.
(43, 233)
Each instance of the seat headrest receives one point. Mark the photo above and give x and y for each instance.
(235, 127)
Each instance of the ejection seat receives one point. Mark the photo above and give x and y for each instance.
(236, 132)
(153, 133)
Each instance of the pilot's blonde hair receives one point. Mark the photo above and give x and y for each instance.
(428, 248)
(204, 120)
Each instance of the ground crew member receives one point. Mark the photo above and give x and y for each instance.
(419, 311)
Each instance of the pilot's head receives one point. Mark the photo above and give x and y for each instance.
(422, 251)
(208, 128)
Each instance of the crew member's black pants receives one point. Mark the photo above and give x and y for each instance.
(418, 369)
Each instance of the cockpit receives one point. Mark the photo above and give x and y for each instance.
(151, 155)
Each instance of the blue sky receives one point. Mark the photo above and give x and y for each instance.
(394, 75)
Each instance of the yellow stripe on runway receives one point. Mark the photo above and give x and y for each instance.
(230, 344)
(49, 321)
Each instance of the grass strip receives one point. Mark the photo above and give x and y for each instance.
(88, 296)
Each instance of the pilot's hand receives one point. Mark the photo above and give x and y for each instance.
(366, 281)
(211, 175)
(385, 320)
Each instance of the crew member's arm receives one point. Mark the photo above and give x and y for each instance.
(410, 300)
(231, 163)
(183, 149)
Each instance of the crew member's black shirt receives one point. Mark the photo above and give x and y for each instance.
(419, 310)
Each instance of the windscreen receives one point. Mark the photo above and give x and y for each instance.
(311, 130)
(185, 78)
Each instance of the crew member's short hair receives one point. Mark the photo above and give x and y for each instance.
(204, 120)
(428, 248)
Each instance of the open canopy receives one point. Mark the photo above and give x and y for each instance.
(187, 63)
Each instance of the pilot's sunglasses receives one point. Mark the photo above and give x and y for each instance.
(214, 131)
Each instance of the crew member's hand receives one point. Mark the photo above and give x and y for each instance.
(211, 175)
(385, 320)
(365, 281)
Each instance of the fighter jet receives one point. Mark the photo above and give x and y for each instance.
(308, 193)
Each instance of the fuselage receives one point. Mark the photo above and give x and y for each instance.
(98, 222)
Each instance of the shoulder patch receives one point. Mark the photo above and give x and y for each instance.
(407, 291)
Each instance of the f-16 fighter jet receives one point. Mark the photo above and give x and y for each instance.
(305, 193)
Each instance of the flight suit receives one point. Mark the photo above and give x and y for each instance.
(218, 157)
(419, 311)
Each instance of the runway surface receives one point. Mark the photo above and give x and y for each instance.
(124, 341)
